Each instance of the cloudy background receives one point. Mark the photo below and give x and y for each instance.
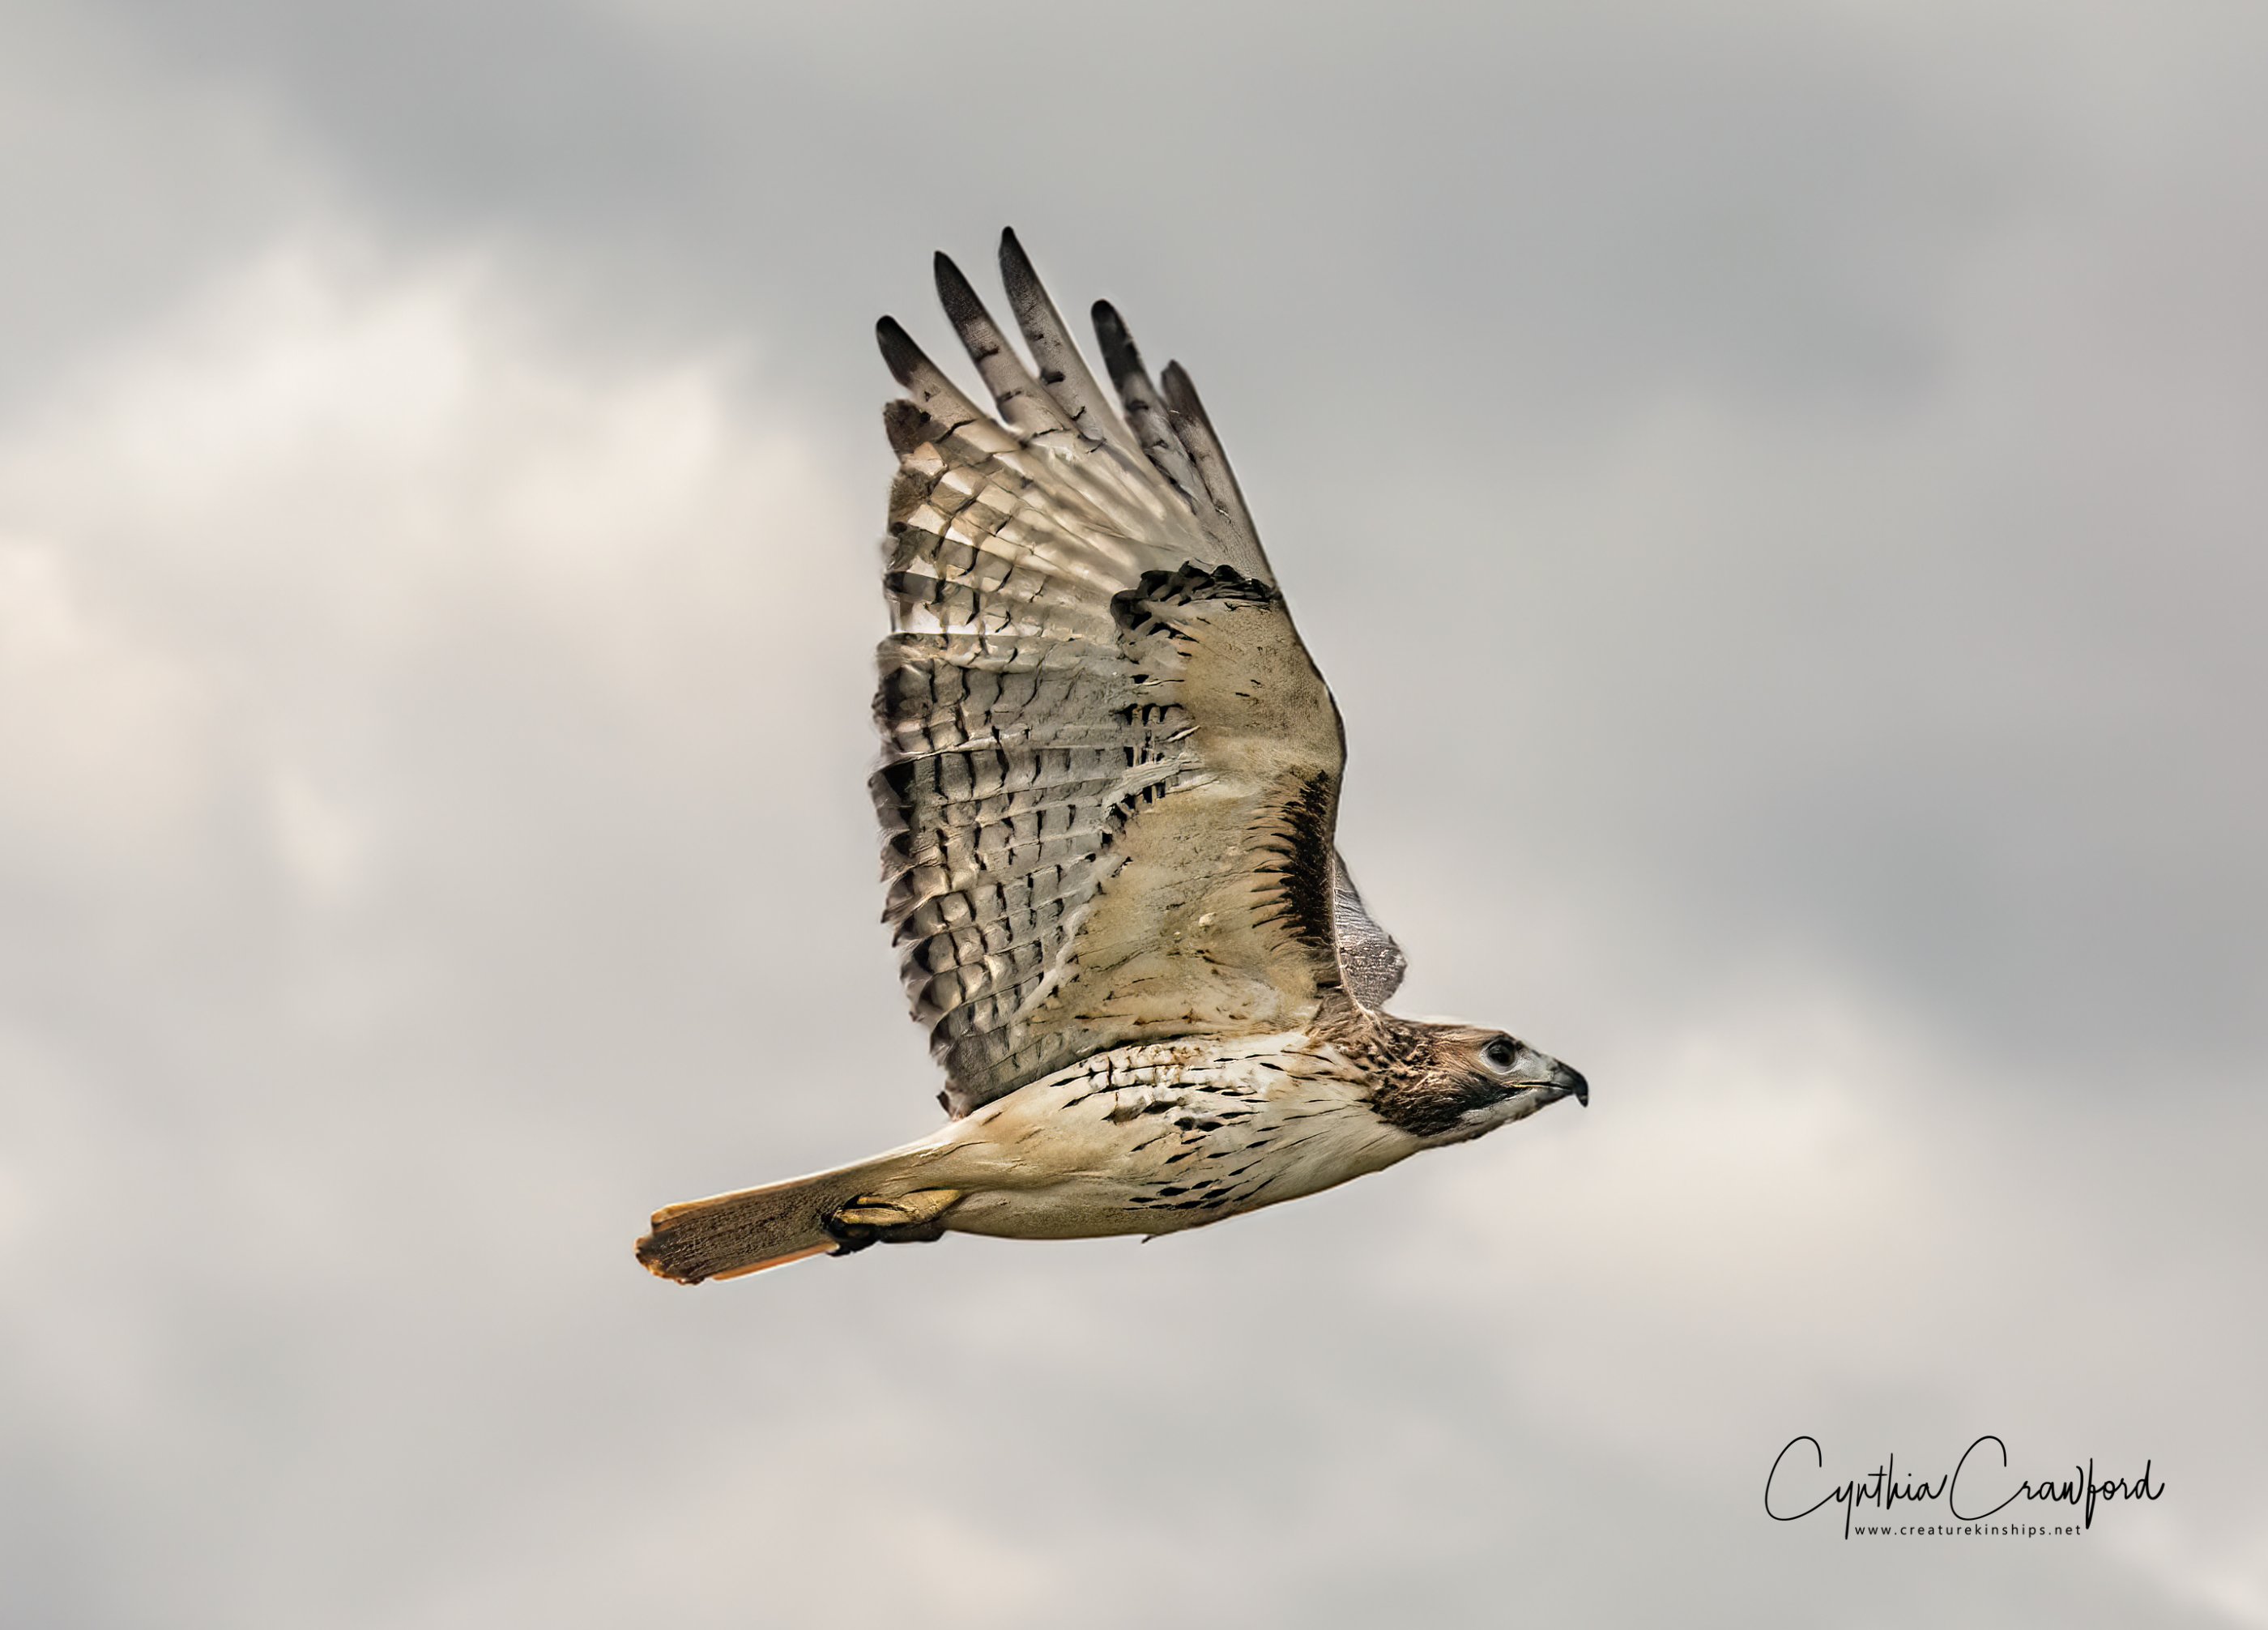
(1779, 497)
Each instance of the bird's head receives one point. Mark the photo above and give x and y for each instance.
(1457, 1081)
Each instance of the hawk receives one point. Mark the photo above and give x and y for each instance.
(1108, 790)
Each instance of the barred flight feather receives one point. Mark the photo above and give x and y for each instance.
(1110, 771)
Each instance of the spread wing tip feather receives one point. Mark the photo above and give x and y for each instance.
(1118, 346)
(954, 291)
(900, 354)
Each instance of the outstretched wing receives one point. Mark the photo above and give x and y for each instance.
(1110, 771)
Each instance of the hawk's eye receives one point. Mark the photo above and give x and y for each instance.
(1498, 1055)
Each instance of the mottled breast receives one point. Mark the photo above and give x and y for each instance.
(1151, 1139)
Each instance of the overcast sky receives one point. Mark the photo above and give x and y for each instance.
(1779, 497)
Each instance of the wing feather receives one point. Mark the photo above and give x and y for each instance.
(1144, 408)
(1196, 431)
(1028, 410)
(1110, 770)
(935, 394)
(1062, 370)
(1372, 963)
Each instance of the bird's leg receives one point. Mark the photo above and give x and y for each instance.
(904, 1220)
(922, 1206)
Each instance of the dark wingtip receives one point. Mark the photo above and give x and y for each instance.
(900, 354)
(1120, 355)
(953, 289)
(1016, 271)
(1181, 392)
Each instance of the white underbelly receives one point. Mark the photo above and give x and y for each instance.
(1160, 1139)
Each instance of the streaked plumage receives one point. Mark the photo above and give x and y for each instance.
(1108, 789)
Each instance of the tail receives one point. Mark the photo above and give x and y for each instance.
(745, 1232)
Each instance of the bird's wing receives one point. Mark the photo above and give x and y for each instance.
(1371, 961)
(1110, 771)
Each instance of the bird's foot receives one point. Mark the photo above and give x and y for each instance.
(907, 1220)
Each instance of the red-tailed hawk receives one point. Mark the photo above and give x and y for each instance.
(1109, 782)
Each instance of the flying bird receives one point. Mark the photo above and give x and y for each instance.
(1109, 791)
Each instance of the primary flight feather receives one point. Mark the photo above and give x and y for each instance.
(1109, 791)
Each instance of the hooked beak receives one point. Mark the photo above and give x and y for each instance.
(1551, 1080)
